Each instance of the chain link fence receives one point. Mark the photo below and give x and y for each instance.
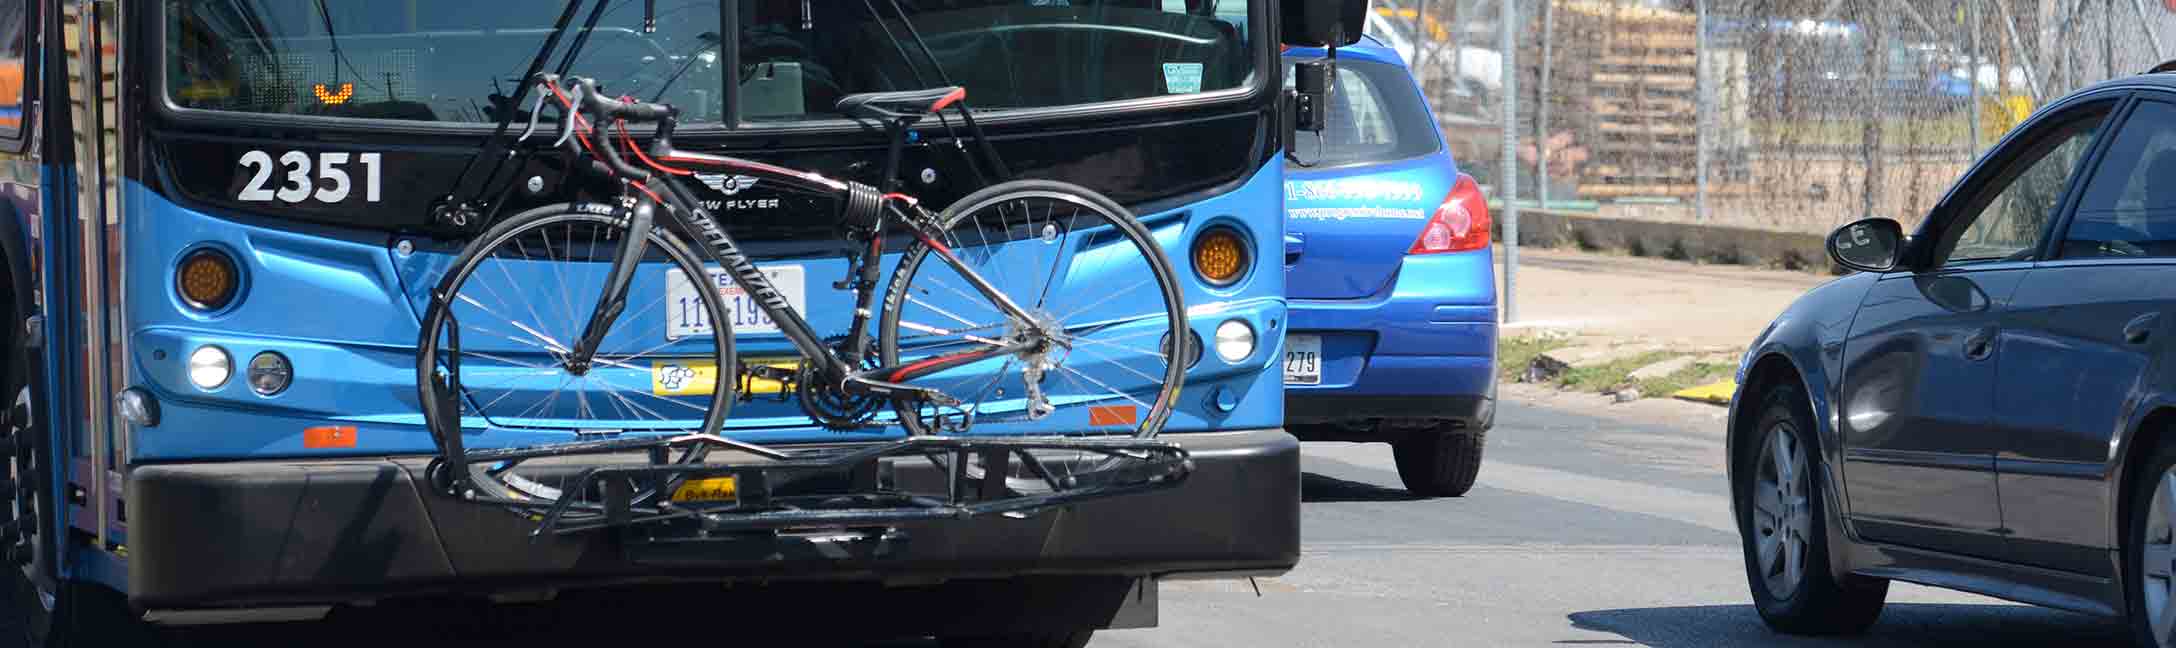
(1780, 115)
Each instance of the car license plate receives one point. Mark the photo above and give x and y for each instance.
(713, 489)
(1303, 360)
(686, 317)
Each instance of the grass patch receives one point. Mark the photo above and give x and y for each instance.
(1689, 377)
(1513, 354)
(1600, 378)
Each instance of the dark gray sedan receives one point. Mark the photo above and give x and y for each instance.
(1988, 404)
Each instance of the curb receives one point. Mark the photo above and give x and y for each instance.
(1689, 241)
(1717, 393)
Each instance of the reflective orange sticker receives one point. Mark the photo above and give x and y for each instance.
(1099, 415)
(329, 436)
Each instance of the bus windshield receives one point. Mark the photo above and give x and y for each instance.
(457, 61)
(425, 61)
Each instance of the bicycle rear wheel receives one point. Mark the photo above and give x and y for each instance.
(510, 309)
(1077, 262)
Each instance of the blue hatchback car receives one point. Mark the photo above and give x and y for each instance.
(1391, 279)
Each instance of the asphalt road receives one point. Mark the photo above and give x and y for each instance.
(1591, 526)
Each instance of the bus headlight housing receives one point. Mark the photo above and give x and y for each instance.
(209, 367)
(1234, 340)
(269, 373)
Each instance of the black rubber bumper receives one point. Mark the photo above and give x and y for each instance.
(1333, 417)
(294, 532)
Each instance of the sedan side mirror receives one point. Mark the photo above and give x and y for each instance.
(1870, 245)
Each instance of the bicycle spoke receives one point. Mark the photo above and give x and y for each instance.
(562, 384)
(940, 311)
(551, 344)
(1115, 363)
(1113, 390)
(517, 285)
(504, 359)
(1057, 255)
(1106, 299)
(557, 354)
(925, 328)
(1158, 353)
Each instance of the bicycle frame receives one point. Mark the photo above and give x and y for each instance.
(684, 213)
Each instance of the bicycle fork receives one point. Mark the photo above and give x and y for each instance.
(613, 300)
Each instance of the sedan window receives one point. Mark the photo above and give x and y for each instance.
(2006, 222)
(2129, 206)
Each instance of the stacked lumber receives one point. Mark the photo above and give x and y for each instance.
(1624, 78)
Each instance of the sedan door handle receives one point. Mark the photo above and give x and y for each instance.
(1980, 345)
(2140, 329)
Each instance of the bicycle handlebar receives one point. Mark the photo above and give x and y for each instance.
(586, 102)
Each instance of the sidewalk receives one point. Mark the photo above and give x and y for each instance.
(1625, 297)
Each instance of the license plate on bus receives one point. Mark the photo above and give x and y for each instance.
(685, 315)
(1303, 360)
(713, 489)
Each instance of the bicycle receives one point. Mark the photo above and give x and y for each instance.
(953, 348)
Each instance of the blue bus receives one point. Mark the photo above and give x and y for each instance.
(227, 224)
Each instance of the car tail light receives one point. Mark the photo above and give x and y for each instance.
(1460, 224)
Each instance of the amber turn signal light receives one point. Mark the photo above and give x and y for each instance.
(207, 279)
(1219, 256)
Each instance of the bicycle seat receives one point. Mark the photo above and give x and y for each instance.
(909, 105)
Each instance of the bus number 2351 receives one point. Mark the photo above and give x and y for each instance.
(300, 185)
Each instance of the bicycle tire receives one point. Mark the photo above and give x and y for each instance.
(551, 223)
(1113, 228)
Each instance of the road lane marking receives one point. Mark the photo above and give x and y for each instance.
(1699, 509)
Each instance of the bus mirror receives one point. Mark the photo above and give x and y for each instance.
(1311, 94)
(1322, 23)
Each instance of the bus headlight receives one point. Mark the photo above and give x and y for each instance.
(207, 279)
(209, 367)
(269, 373)
(1234, 340)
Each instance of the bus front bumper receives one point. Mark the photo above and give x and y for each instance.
(315, 532)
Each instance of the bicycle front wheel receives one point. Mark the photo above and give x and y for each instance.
(513, 304)
(1080, 265)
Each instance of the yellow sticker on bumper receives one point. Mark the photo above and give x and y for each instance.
(683, 377)
(700, 377)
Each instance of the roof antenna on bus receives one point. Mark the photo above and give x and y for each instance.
(967, 115)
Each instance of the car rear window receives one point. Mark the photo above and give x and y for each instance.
(1376, 115)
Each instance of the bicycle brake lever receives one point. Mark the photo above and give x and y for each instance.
(536, 111)
(574, 115)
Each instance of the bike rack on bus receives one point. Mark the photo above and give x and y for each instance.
(1125, 466)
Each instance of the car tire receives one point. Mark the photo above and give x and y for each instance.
(1042, 639)
(1802, 596)
(1441, 462)
(2147, 489)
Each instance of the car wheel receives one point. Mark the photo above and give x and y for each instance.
(1044, 639)
(1441, 462)
(2148, 552)
(1783, 525)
